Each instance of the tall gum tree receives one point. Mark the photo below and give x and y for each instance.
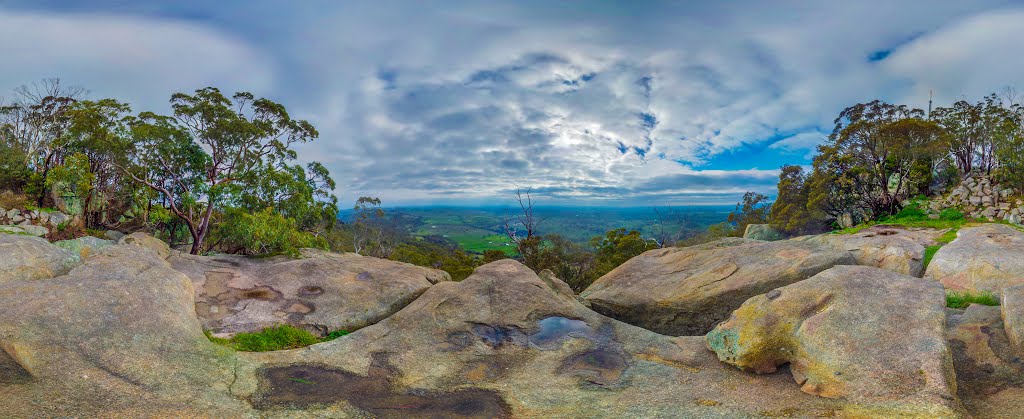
(207, 154)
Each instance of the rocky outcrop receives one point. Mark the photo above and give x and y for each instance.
(147, 241)
(863, 334)
(686, 291)
(895, 248)
(116, 337)
(321, 292)
(763, 232)
(24, 257)
(1012, 311)
(84, 246)
(990, 376)
(503, 343)
(980, 197)
(982, 258)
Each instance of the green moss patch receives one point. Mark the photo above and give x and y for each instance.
(956, 299)
(273, 338)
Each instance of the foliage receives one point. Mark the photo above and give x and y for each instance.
(616, 247)
(262, 232)
(438, 253)
(274, 338)
(213, 151)
(753, 209)
(371, 235)
(789, 213)
(961, 300)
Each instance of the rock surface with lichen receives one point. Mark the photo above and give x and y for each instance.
(858, 333)
(686, 291)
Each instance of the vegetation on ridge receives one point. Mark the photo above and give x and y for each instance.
(273, 338)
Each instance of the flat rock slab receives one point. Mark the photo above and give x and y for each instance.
(863, 334)
(895, 248)
(116, 337)
(989, 373)
(686, 291)
(24, 257)
(505, 343)
(983, 258)
(322, 291)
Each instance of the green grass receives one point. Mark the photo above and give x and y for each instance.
(956, 299)
(914, 216)
(273, 338)
(929, 253)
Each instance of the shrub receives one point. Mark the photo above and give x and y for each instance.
(956, 299)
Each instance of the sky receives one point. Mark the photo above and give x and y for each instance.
(587, 103)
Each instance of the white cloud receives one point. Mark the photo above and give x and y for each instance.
(138, 59)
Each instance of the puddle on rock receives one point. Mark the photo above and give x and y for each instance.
(311, 385)
(554, 330)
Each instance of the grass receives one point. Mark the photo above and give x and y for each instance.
(944, 239)
(914, 216)
(273, 338)
(956, 299)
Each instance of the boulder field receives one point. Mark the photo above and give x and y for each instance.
(119, 333)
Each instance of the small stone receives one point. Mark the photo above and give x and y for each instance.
(773, 294)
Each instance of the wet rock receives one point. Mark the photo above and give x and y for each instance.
(982, 258)
(24, 257)
(686, 291)
(843, 337)
(321, 292)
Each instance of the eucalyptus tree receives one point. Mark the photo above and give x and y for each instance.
(208, 155)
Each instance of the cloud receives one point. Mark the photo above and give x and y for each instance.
(138, 59)
(673, 102)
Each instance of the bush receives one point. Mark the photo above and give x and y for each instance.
(263, 232)
(965, 299)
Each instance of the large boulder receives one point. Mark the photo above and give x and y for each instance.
(982, 258)
(863, 334)
(84, 246)
(686, 291)
(116, 337)
(895, 248)
(1012, 310)
(147, 241)
(322, 291)
(763, 232)
(24, 257)
(989, 374)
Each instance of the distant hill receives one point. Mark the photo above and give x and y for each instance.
(482, 228)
